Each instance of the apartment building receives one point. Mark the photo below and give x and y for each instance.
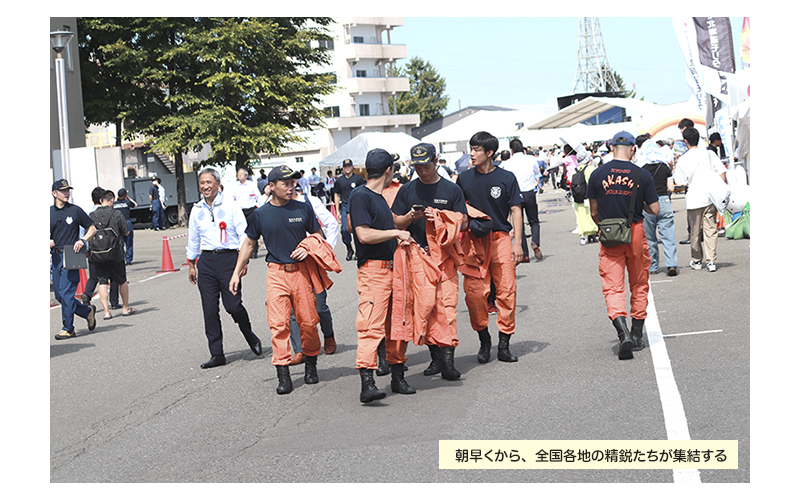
(363, 57)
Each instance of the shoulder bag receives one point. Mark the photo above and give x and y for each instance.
(617, 231)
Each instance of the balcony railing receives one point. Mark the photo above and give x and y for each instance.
(376, 84)
(389, 52)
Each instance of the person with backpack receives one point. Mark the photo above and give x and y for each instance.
(107, 253)
(583, 168)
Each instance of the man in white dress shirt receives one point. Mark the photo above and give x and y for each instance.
(526, 169)
(216, 228)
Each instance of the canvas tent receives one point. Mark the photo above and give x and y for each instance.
(356, 149)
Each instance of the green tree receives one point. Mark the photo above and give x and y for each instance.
(243, 85)
(426, 95)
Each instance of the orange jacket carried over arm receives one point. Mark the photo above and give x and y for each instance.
(320, 261)
(477, 251)
(414, 281)
(444, 244)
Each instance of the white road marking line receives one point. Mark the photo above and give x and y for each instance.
(671, 403)
(662, 281)
(58, 306)
(691, 333)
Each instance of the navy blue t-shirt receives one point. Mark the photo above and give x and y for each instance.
(611, 184)
(283, 228)
(344, 186)
(65, 223)
(370, 208)
(493, 194)
(124, 206)
(442, 195)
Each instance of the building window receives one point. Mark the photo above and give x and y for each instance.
(298, 159)
(361, 73)
(363, 109)
(326, 44)
(332, 112)
(358, 39)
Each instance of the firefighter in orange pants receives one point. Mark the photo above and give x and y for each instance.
(620, 190)
(376, 241)
(283, 223)
(496, 193)
(413, 206)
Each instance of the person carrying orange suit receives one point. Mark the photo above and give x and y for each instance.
(284, 223)
(496, 193)
(376, 239)
(434, 212)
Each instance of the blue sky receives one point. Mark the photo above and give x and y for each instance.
(532, 60)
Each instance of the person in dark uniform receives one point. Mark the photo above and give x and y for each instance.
(156, 206)
(430, 191)
(216, 227)
(65, 220)
(283, 223)
(124, 205)
(376, 242)
(495, 192)
(341, 189)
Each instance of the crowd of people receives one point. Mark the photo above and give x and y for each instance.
(412, 232)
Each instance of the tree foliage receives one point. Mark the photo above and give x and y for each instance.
(242, 85)
(426, 95)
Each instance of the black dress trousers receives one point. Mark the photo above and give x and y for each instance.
(214, 271)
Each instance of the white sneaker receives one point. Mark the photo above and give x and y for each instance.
(712, 266)
(696, 265)
(583, 241)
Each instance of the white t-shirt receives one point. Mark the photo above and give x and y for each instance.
(694, 169)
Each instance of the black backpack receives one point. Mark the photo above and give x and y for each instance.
(103, 246)
(579, 185)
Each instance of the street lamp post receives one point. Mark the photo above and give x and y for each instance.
(59, 41)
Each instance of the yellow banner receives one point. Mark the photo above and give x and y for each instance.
(587, 454)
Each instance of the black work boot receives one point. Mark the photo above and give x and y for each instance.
(399, 383)
(350, 254)
(625, 339)
(383, 366)
(284, 380)
(503, 353)
(486, 346)
(637, 334)
(449, 371)
(311, 370)
(436, 361)
(368, 390)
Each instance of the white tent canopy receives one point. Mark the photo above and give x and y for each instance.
(498, 123)
(356, 149)
(578, 133)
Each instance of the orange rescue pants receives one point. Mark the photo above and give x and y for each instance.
(502, 271)
(287, 291)
(635, 257)
(374, 318)
(447, 294)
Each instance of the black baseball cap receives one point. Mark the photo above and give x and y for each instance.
(282, 173)
(122, 192)
(422, 153)
(378, 160)
(347, 162)
(61, 184)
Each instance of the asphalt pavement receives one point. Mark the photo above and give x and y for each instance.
(130, 404)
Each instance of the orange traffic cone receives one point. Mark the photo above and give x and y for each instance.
(166, 259)
(81, 283)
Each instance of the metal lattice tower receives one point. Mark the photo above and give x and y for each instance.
(593, 73)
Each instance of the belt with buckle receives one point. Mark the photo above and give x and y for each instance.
(57, 250)
(290, 268)
(218, 251)
(387, 264)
